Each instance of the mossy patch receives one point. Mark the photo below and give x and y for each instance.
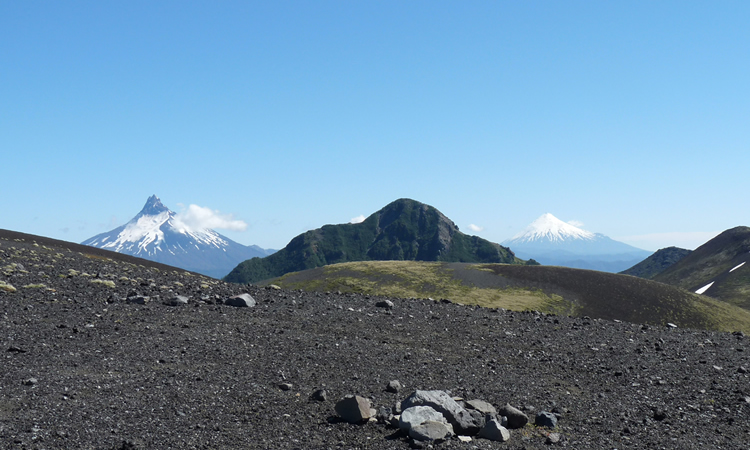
(108, 283)
(414, 279)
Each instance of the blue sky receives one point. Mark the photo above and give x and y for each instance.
(631, 118)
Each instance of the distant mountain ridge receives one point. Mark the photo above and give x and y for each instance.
(403, 230)
(720, 268)
(657, 263)
(155, 234)
(551, 241)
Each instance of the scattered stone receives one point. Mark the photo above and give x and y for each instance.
(463, 422)
(464, 438)
(546, 419)
(481, 406)
(480, 419)
(516, 418)
(240, 301)
(416, 415)
(177, 300)
(320, 395)
(138, 299)
(14, 349)
(741, 369)
(30, 381)
(671, 325)
(494, 431)
(274, 287)
(393, 386)
(130, 445)
(553, 438)
(659, 414)
(384, 415)
(385, 304)
(286, 386)
(353, 409)
(430, 431)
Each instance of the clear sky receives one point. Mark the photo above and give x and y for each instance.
(631, 118)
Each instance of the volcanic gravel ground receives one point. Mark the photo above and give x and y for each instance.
(83, 368)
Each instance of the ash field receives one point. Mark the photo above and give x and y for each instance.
(102, 352)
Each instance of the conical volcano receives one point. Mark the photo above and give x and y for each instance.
(157, 234)
(553, 242)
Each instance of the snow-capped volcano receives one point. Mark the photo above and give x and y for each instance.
(549, 227)
(158, 234)
(551, 241)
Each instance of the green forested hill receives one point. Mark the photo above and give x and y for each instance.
(403, 230)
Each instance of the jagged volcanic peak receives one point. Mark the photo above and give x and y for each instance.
(549, 227)
(155, 229)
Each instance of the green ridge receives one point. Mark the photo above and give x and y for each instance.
(404, 230)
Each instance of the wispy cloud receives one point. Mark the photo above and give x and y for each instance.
(198, 217)
(576, 223)
(475, 228)
(359, 219)
(682, 239)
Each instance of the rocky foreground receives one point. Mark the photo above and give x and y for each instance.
(103, 354)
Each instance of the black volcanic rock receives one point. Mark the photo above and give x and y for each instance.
(110, 374)
(657, 263)
(403, 230)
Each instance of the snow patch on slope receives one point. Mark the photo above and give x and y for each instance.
(737, 267)
(144, 230)
(704, 288)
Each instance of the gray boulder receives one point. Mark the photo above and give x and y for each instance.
(393, 386)
(240, 301)
(416, 415)
(431, 431)
(481, 406)
(320, 395)
(384, 304)
(494, 431)
(138, 299)
(177, 300)
(516, 417)
(546, 419)
(354, 409)
(463, 422)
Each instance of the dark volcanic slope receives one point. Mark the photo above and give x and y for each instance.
(15, 236)
(720, 262)
(82, 368)
(560, 290)
(657, 263)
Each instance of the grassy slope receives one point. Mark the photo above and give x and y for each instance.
(548, 289)
(712, 262)
(657, 263)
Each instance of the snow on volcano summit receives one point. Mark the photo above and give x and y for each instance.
(158, 234)
(155, 229)
(549, 227)
(551, 241)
